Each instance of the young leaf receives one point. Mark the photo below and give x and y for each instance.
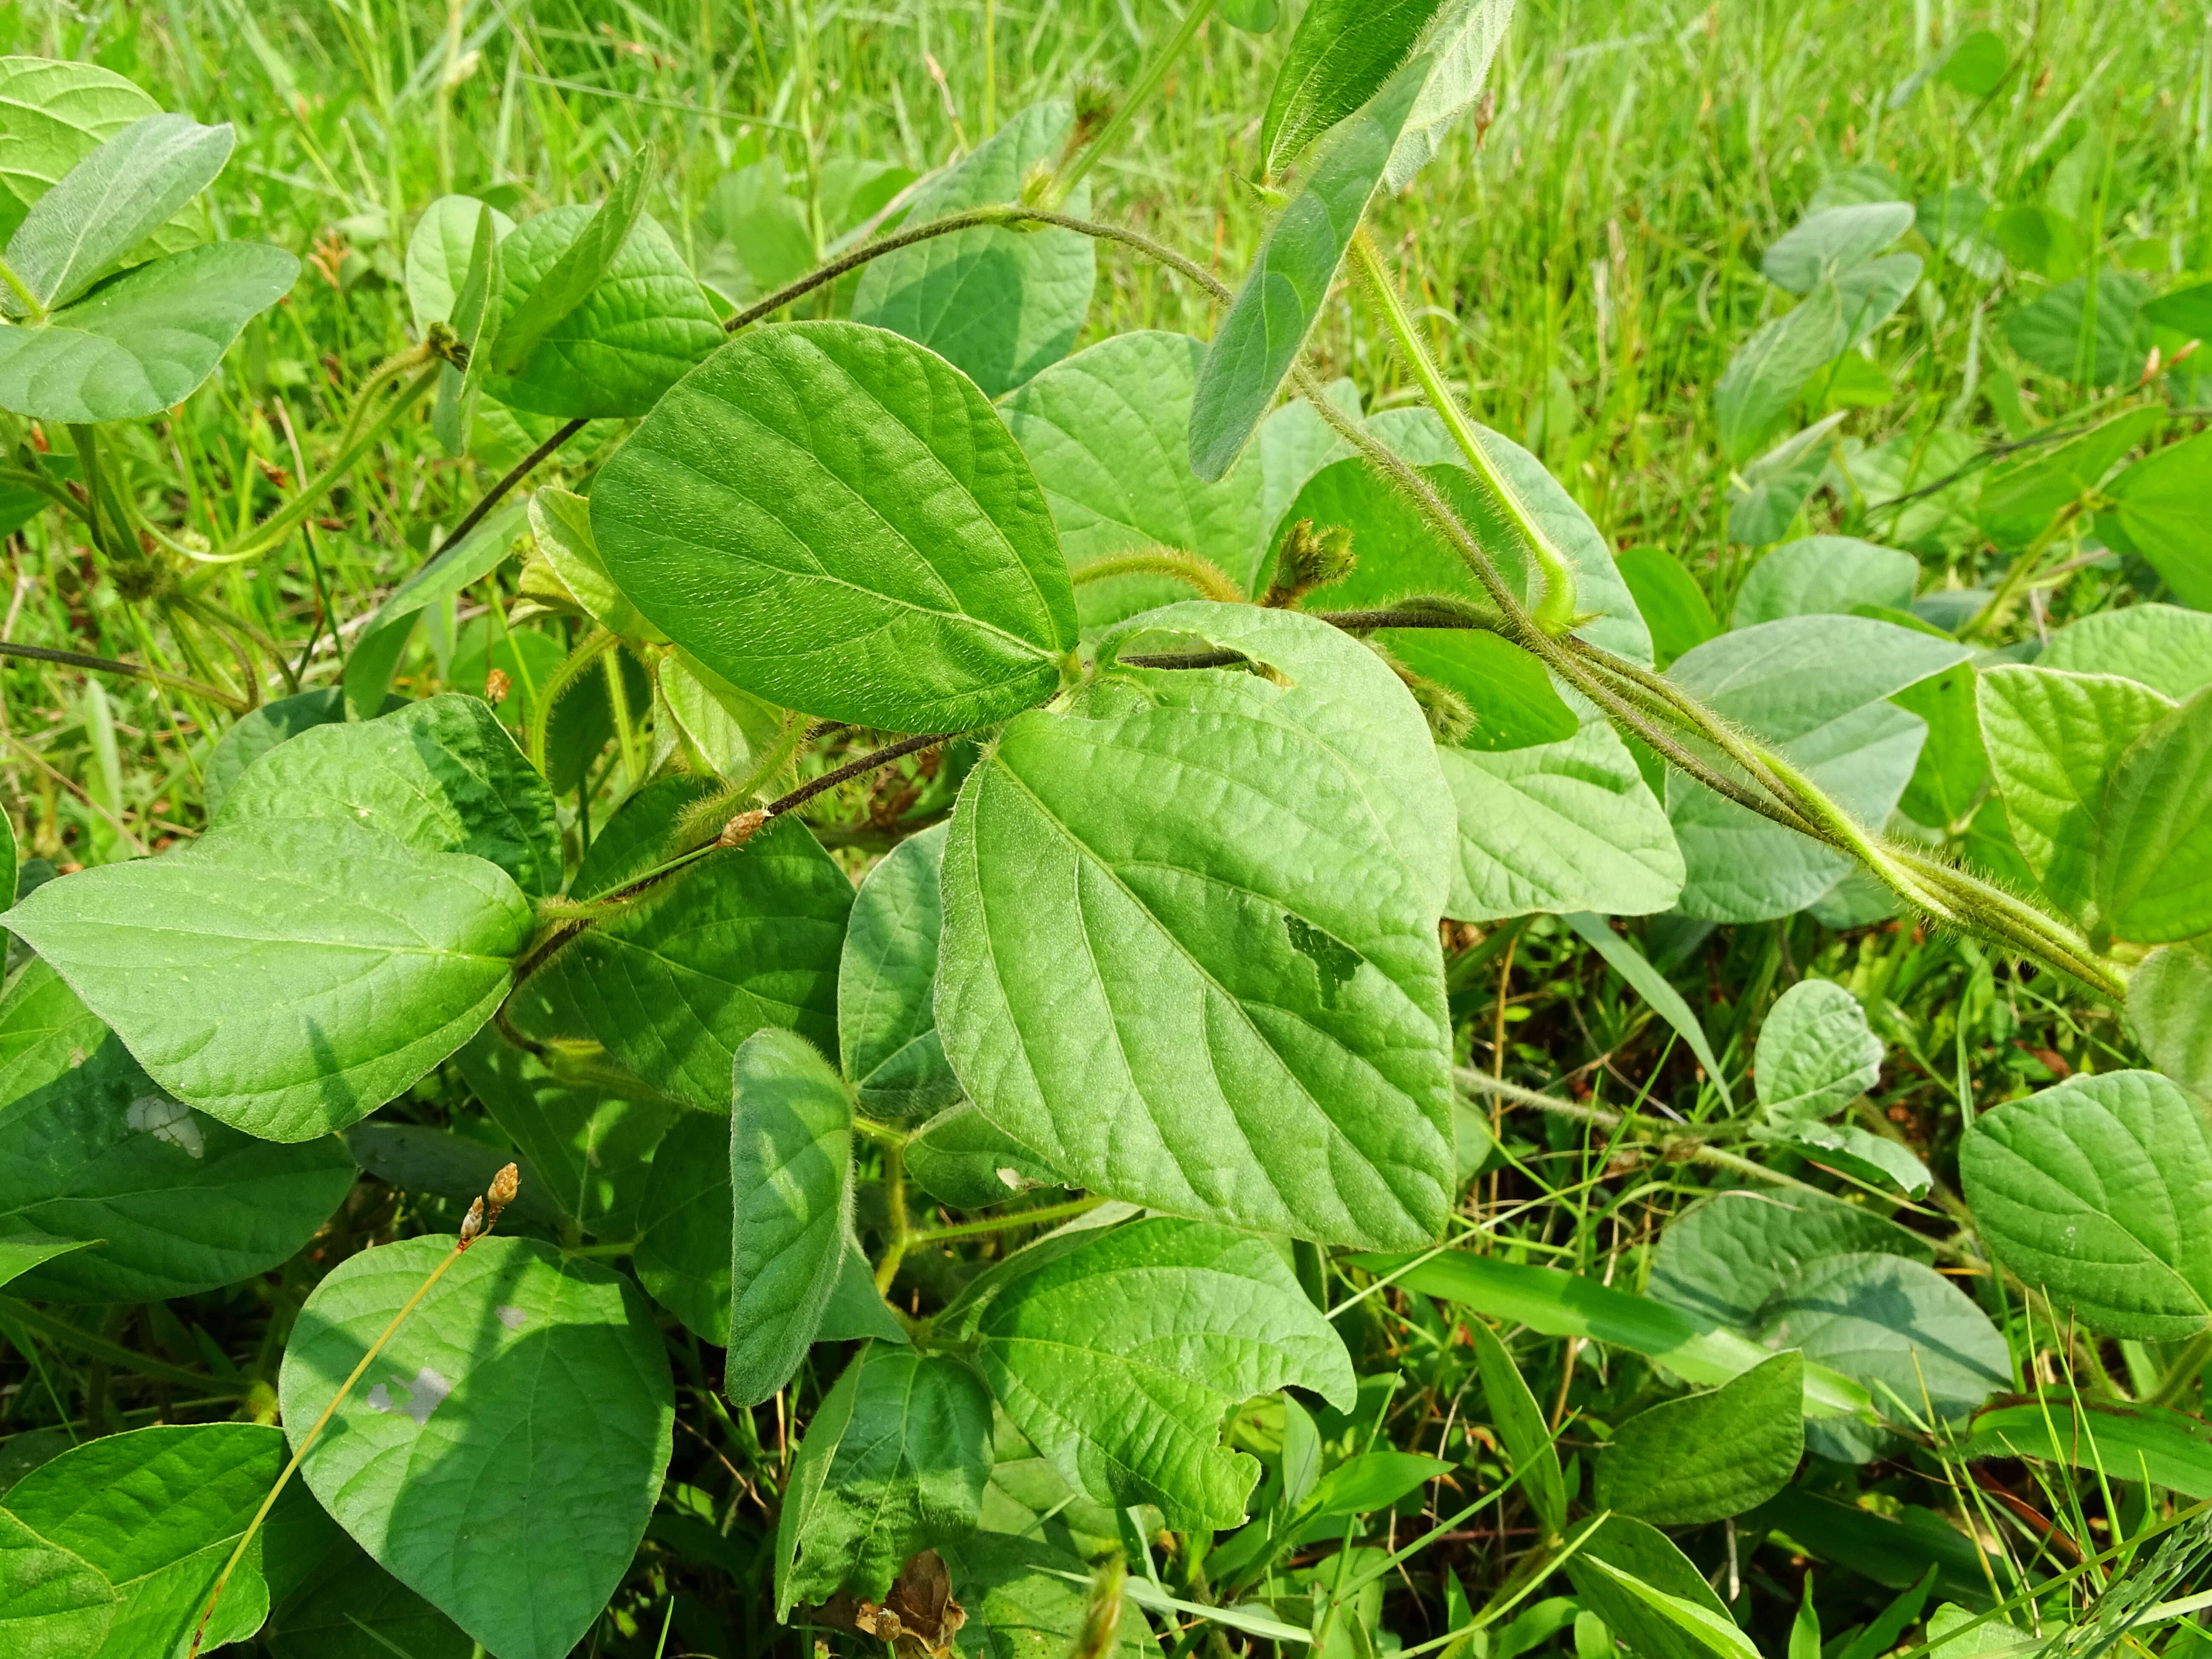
(1707, 1456)
(1816, 1052)
(886, 1022)
(2152, 869)
(1339, 56)
(442, 775)
(54, 1604)
(791, 1186)
(58, 113)
(561, 524)
(543, 298)
(894, 1462)
(1834, 240)
(2092, 1190)
(2160, 646)
(2170, 1447)
(287, 977)
(671, 985)
(1267, 326)
(1520, 1423)
(501, 1455)
(1672, 603)
(2158, 512)
(626, 335)
(170, 1202)
(1632, 1577)
(962, 1159)
(735, 735)
(1567, 826)
(685, 1221)
(157, 1512)
(1117, 1351)
(1825, 575)
(2054, 740)
(2058, 334)
(1466, 38)
(145, 341)
(1000, 304)
(1771, 368)
(2170, 1005)
(1107, 432)
(111, 202)
(475, 319)
(442, 251)
(1263, 1043)
(895, 566)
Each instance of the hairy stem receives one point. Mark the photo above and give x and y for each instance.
(1002, 1223)
(1188, 568)
(571, 670)
(1146, 83)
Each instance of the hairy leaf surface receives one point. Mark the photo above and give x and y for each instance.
(1824, 575)
(1339, 57)
(2160, 646)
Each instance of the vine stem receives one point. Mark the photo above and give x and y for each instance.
(1208, 578)
(1074, 1207)
(135, 670)
(475, 1227)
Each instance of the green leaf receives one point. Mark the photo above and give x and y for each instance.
(1896, 1553)
(442, 775)
(144, 342)
(1725, 1258)
(1630, 964)
(2054, 740)
(641, 836)
(684, 1223)
(1813, 686)
(1948, 782)
(1107, 432)
(157, 1511)
(111, 202)
(552, 280)
(56, 113)
(1825, 575)
(1373, 1480)
(2160, 646)
(2170, 1005)
(1256, 344)
(894, 1462)
(346, 1607)
(1647, 1591)
(589, 1143)
(1027, 1601)
(1507, 691)
(1816, 1052)
(1673, 605)
(886, 1021)
(1768, 372)
(526, 1397)
(1338, 58)
(170, 1203)
(21, 1252)
(2152, 869)
(54, 1604)
(293, 975)
(417, 1159)
(375, 654)
(744, 939)
(440, 252)
(2167, 1448)
(1467, 36)
(2092, 1190)
(1190, 951)
(1707, 1456)
(856, 1311)
(1566, 826)
(2056, 333)
(1000, 304)
(960, 1158)
(562, 524)
(1868, 297)
(895, 567)
(791, 1185)
(253, 735)
(1975, 65)
(1117, 1351)
(475, 320)
(1520, 1423)
(1914, 1340)
(1764, 498)
(1253, 16)
(733, 732)
(1558, 1304)
(1825, 245)
(622, 342)
(2018, 502)
(1857, 1153)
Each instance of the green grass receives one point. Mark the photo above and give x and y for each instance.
(1587, 268)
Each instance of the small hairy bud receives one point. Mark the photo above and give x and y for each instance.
(1102, 1613)
(504, 1185)
(1094, 108)
(1310, 559)
(472, 1223)
(1450, 720)
(741, 829)
(496, 686)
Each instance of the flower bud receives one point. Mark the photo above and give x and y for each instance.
(472, 1223)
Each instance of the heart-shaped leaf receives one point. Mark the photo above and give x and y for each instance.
(743, 938)
(442, 775)
(170, 1202)
(2160, 646)
(2093, 1190)
(144, 342)
(1825, 575)
(895, 566)
(1190, 952)
(999, 305)
(525, 1399)
(1117, 1351)
(895, 1461)
(791, 1188)
(286, 976)
(440, 251)
(109, 203)
(1725, 1258)
(1816, 1052)
(887, 983)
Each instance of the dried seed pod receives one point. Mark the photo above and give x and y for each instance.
(472, 1223)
